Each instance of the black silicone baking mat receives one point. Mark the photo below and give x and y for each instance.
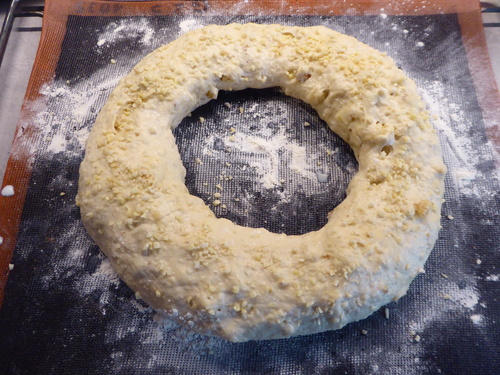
(66, 312)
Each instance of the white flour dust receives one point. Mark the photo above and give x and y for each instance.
(459, 148)
(189, 25)
(493, 278)
(126, 30)
(267, 147)
(61, 124)
(477, 318)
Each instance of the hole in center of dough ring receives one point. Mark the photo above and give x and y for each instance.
(263, 159)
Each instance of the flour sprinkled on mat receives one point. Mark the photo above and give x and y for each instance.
(125, 30)
(269, 150)
(454, 126)
(189, 25)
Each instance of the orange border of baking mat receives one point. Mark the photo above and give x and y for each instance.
(56, 13)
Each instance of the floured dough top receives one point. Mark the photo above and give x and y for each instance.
(242, 283)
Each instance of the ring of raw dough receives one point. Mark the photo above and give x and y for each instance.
(241, 283)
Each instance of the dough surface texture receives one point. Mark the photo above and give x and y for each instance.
(242, 283)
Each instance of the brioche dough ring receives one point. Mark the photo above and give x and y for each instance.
(243, 283)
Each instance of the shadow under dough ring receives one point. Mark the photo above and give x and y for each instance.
(242, 283)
